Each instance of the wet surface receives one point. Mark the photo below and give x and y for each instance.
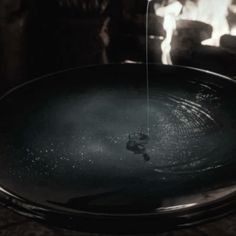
(76, 140)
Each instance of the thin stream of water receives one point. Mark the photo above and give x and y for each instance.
(147, 69)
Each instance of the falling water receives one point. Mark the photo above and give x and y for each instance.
(138, 141)
(147, 69)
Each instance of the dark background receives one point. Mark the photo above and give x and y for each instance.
(40, 36)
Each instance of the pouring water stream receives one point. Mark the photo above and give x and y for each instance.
(137, 142)
(147, 69)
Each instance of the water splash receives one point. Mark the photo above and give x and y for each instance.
(137, 144)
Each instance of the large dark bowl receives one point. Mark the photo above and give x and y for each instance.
(75, 150)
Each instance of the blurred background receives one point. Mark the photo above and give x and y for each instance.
(38, 37)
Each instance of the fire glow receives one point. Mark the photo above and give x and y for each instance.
(212, 12)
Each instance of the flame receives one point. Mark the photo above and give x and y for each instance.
(170, 14)
(213, 12)
(233, 31)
